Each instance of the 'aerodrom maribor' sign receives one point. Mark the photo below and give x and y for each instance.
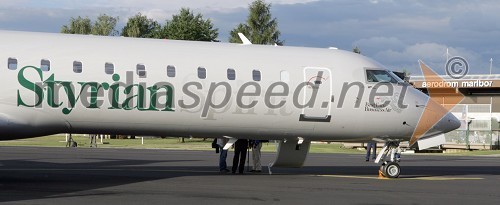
(457, 84)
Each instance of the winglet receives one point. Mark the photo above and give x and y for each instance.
(244, 39)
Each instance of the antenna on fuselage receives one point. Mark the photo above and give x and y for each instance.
(244, 39)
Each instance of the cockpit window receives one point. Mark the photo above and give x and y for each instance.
(375, 76)
(400, 75)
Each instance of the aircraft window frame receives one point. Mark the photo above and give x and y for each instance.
(370, 76)
(77, 66)
(400, 80)
(45, 64)
(231, 74)
(140, 70)
(256, 75)
(399, 77)
(171, 71)
(202, 73)
(12, 63)
(109, 68)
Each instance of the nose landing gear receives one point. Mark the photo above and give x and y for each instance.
(391, 168)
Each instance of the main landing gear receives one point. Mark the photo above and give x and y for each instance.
(390, 168)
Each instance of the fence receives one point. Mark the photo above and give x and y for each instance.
(476, 130)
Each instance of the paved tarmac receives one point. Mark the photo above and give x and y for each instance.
(32, 175)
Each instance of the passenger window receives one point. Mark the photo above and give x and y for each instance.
(256, 75)
(171, 71)
(231, 74)
(380, 76)
(12, 63)
(284, 76)
(77, 66)
(109, 68)
(141, 70)
(202, 73)
(45, 65)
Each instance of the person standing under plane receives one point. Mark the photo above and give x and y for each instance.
(369, 146)
(240, 154)
(93, 138)
(221, 142)
(256, 146)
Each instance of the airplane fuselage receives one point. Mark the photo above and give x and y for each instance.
(54, 83)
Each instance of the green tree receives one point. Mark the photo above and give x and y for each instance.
(105, 26)
(260, 27)
(77, 25)
(356, 50)
(187, 26)
(141, 27)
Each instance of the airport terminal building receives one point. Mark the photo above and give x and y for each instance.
(479, 111)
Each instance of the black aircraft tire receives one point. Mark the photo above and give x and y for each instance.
(391, 170)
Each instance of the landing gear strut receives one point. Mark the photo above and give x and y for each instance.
(391, 168)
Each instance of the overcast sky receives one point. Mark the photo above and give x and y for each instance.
(394, 32)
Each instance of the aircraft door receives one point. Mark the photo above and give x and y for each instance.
(317, 95)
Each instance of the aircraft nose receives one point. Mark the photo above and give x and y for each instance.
(448, 123)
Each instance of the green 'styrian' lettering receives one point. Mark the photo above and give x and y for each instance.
(54, 100)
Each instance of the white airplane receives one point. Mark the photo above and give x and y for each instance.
(57, 83)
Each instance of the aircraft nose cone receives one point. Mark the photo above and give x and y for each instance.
(448, 123)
